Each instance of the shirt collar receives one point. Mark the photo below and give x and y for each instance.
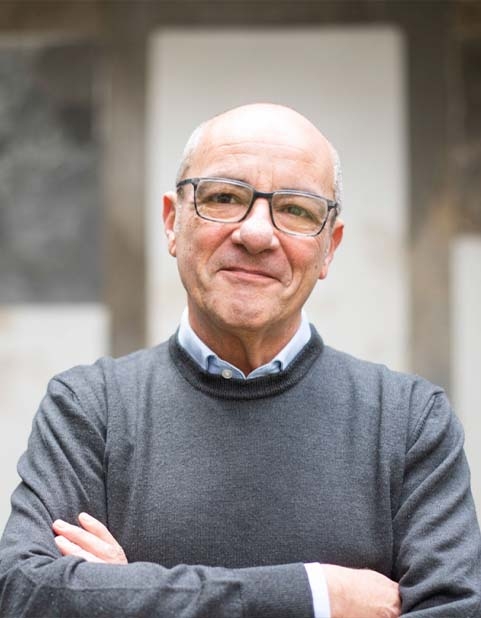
(208, 360)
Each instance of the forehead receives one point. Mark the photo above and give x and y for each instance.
(283, 151)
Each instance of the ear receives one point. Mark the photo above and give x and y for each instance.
(169, 213)
(332, 244)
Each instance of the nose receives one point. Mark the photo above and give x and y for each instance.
(256, 233)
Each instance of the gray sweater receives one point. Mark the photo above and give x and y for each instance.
(218, 490)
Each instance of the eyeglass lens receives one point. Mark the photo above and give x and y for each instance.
(227, 201)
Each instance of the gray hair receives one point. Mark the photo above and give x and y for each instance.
(338, 188)
(196, 137)
(189, 150)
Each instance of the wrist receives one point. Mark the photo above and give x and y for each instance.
(335, 578)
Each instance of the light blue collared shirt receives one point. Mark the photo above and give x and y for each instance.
(208, 360)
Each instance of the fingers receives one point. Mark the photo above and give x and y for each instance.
(92, 540)
(97, 528)
(67, 548)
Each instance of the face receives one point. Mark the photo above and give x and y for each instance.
(248, 276)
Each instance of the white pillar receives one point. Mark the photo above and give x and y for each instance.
(466, 347)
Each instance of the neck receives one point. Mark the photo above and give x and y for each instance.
(244, 348)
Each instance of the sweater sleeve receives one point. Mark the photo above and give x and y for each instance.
(437, 542)
(62, 474)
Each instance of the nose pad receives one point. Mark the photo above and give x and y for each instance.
(256, 233)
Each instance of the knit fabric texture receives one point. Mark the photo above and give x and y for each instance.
(219, 490)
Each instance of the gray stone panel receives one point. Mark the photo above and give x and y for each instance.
(50, 214)
(469, 148)
(471, 65)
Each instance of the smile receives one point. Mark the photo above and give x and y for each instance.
(252, 276)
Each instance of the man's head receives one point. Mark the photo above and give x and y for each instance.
(248, 277)
(198, 133)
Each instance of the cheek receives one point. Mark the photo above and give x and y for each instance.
(306, 260)
(196, 247)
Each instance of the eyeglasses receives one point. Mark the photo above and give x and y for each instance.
(229, 201)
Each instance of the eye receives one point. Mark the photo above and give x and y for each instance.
(296, 211)
(220, 194)
(223, 198)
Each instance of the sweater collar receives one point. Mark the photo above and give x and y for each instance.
(241, 389)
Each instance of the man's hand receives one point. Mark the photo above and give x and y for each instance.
(360, 593)
(92, 541)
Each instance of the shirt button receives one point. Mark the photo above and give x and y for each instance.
(227, 374)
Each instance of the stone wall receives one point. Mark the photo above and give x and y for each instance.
(50, 211)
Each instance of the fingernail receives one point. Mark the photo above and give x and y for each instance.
(86, 517)
(60, 523)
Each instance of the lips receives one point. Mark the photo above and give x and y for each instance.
(261, 268)
(248, 276)
(249, 272)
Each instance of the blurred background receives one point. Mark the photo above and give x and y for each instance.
(97, 99)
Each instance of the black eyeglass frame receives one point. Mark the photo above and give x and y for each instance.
(255, 195)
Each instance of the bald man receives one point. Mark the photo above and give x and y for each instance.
(244, 468)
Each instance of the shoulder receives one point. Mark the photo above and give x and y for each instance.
(123, 369)
(405, 398)
(369, 377)
(109, 381)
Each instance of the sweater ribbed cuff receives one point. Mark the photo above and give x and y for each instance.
(276, 591)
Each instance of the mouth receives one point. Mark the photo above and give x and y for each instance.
(247, 274)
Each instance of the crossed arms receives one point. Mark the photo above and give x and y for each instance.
(437, 556)
(353, 593)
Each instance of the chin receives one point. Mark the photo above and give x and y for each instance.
(245, 319)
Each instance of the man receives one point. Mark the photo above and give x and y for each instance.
(244, 469)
